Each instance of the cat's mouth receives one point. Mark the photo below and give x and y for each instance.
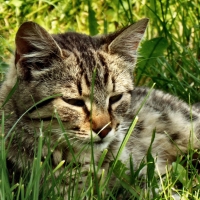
(99, 140)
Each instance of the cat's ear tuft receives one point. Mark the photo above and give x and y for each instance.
(126, 42)
(34, 44)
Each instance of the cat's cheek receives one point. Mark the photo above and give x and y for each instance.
(121, 109)
(68, 114)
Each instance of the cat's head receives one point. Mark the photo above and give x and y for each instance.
(93, 75)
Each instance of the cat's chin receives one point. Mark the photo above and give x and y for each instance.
(96, 142)
(100, 145)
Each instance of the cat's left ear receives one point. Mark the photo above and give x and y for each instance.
(126, 41)
(34, 44)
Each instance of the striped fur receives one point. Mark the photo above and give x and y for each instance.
(92, 77)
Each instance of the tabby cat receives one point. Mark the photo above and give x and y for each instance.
(86, 83)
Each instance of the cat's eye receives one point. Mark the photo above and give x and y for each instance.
(115, 98)
(75, 102)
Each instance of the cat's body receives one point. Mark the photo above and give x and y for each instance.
(92, 78)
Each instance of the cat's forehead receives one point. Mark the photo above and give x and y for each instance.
(78, 41)
(89, 69)
(85, 67)
(86, 59)
(40, 55)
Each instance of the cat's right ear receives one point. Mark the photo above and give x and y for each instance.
(126, 41)
(34, 48)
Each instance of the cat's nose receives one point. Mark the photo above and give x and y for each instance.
(103, 132)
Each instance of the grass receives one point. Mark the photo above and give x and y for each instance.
(28, 186)
(182, 179)
(169, 58)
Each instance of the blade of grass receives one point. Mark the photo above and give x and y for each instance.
(14, 125)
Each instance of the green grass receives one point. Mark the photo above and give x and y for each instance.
(182, 179)
(169, 58)
(177, 179)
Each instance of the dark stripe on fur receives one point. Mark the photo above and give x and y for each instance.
(113, 82)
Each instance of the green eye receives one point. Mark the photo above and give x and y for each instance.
(75, 102)
(115, 99)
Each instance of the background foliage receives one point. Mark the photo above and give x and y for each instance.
(169, 57)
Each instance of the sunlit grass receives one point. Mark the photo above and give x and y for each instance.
(169, 58)
(181, 179)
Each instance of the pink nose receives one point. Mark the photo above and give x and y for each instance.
(102, 133)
